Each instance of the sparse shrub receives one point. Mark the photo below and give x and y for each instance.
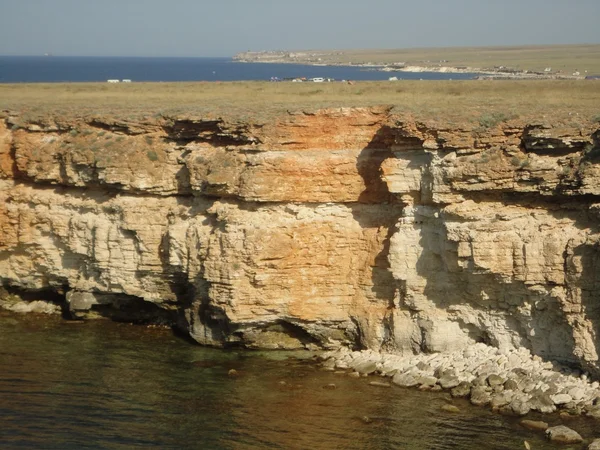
(148, 140)
(490, 120)
(119, 138)
(596, 118)
(521, 163)
(152, 156)
(73, 133)
(15, 127)
(101, 133)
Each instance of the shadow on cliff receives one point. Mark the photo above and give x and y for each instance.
(502, 312)
(584, 286)
(377, 212)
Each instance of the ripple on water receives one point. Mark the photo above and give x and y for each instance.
(107, 385)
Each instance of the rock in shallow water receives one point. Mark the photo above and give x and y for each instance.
(480, 396)
(535, 425)
(462, 390)
(563, 435)
(450, 408)
(595, 445)
(404, 380)
(380, 384)
(449, 381)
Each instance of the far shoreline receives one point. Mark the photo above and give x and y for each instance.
(565, 62)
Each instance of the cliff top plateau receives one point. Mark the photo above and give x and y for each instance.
(446, 102)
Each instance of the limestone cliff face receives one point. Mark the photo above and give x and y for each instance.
(350, 227)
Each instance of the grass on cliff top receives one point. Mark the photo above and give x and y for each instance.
(443, 101)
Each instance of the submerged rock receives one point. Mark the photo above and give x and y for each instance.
(595, 445)
(563, 435)
(380, 384)
(462, 390)
(535, 425)
(36, 306)
(450, 408)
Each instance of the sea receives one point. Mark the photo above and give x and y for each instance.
(105, 385)
(59, 69)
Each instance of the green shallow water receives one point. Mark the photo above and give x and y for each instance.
(115, 386)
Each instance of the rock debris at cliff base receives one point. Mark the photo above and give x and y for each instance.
(511, 381)
(347, 227)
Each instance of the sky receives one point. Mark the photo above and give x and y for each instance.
(225, 27)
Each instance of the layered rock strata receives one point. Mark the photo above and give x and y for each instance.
(335, 228)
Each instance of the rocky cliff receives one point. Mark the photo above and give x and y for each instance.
(340, 227)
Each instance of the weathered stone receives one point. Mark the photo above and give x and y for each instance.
(542, 403)
(404, 380)
(379, 384)
(36, 306)
(426, 381)
(501, 399)
(448, 381)
(535, 425)
(577, 393)
(450, 408)
(563, 435)
(511, 385)
(495, 380)
(594, 412)
(595, 445)
(519, 406)
(462, 390)
(480, 396)
(367, 367)
(561, 399)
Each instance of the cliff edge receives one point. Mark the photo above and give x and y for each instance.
(354, 227)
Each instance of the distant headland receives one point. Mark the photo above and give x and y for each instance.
(530, 62)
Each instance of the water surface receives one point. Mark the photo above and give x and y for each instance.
(116, 386)
(37, 69)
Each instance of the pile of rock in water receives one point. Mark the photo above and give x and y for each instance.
(512, 382)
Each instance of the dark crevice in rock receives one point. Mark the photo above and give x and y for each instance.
(118, 307)
(16, 173)
(214, 132)
(116, 127)
(96, 190)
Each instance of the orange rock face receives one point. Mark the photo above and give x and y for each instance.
(349, 227)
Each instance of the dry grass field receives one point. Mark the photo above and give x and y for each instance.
(443, 101)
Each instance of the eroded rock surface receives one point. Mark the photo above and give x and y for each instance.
(346, 227)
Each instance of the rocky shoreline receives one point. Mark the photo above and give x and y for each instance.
(510, 382)
(480, 73)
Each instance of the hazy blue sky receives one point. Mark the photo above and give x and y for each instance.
(224, 27)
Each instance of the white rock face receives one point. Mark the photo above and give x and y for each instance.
(337, 228)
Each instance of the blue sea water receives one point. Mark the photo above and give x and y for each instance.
(52, 69)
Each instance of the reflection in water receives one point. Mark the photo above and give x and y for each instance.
(107, 385)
